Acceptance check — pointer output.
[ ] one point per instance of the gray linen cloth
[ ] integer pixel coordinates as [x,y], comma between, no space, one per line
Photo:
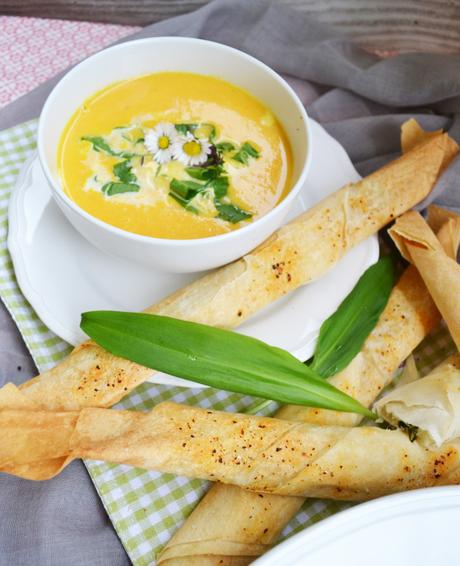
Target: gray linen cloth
[360,99]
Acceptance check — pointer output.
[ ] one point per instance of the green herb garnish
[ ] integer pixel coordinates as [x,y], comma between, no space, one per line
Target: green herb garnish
[123,171]
[211,176]
[127,183]
[113,188]
[344,332]
[215,180]
[231,213]
[185,128]
[215,357]
[99,144]
[220,186]
[184,191]
[205,173]
[210,131]
[224,146]
[184,202]
[245,152]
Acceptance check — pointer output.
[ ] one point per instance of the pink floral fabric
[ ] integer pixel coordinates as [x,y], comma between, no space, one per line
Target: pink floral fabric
[35,49]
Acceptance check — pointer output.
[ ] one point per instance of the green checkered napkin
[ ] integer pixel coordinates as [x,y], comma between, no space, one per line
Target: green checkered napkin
[144,507]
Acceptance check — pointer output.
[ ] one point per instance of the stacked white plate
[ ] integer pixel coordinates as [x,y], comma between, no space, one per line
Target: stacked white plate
[416,528]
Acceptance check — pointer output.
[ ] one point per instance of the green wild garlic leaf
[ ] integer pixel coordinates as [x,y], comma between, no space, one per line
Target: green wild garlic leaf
[344,332]
[215,357]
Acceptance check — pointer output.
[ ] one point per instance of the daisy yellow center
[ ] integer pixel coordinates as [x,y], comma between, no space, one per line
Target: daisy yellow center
[192,148]
[163,142]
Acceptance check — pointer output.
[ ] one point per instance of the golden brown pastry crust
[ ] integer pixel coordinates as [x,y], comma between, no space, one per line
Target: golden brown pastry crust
[261,454]
[441,274]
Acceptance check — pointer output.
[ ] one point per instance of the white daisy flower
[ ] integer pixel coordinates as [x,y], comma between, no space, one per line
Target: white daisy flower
[160,141]
[191,151]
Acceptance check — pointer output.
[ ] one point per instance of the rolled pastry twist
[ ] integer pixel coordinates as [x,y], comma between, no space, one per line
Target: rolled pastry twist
[261,454]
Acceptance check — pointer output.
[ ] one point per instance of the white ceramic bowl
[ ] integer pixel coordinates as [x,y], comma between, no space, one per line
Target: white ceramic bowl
[153,55]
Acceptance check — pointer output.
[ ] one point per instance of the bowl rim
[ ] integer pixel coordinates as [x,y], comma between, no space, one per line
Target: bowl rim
[60,193]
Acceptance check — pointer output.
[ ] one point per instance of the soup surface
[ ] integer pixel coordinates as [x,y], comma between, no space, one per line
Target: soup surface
[175,155]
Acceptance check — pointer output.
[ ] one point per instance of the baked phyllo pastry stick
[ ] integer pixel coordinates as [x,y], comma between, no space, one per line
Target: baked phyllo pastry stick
[441,273]
[263,454]
[230,523]
[296,254]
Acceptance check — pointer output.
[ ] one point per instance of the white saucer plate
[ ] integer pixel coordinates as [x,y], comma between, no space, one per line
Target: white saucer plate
[413,528]
[62,275]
